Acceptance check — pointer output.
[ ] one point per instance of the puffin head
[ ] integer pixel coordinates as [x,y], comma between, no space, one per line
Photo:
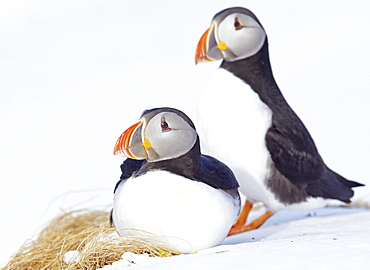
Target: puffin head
[161,134]
[234,34]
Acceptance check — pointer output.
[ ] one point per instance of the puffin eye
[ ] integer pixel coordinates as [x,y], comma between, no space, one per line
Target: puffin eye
[164,125]
[237,24]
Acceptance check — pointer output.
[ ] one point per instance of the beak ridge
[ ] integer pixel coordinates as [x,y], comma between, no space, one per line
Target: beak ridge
[208,48]
[201,51]
[130,144]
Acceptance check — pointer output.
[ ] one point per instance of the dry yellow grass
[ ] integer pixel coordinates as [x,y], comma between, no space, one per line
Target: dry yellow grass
[86,232]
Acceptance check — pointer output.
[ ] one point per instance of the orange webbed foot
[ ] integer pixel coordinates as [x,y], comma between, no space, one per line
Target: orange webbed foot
[253,225]
[239,226]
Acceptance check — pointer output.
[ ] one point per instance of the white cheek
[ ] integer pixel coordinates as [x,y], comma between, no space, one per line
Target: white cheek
[245,44]
[169,144]
[241,43]
[172,144]
[163,144]
[226,31]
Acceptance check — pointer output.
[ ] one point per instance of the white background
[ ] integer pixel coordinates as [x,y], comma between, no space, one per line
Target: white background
[75,74]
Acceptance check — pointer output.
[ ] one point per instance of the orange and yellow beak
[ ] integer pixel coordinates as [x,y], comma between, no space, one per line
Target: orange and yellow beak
[201,51]
[209,47]
[130,143]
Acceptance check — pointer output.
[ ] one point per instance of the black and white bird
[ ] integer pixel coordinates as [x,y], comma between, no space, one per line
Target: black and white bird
[247,123]
[176,197]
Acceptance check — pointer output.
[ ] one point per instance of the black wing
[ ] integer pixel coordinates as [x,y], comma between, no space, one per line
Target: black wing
[216,174]
[128,167]
[297,161]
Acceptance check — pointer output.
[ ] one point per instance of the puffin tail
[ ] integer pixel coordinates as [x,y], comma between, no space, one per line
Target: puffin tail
[333,186]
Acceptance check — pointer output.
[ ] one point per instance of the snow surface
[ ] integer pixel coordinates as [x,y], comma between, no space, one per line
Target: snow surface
[325,238]
[75,74]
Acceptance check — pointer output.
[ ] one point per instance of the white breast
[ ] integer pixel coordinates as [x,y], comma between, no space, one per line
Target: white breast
[171,210]
[233,125]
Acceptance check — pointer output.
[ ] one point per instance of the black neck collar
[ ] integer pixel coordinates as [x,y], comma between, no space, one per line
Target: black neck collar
[186,165]
[257,73]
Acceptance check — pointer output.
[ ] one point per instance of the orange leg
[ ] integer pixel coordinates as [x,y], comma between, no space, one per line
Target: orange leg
[243,214]
[239,226]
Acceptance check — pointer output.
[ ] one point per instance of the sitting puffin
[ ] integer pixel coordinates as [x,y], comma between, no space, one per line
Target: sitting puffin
[247,123]
[176,197]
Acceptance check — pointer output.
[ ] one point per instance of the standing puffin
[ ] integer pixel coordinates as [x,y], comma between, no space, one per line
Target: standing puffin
[176,197]
[249,125]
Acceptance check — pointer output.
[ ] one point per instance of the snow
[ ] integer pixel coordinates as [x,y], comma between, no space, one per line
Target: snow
[75,74]
[71,256]
[325,238]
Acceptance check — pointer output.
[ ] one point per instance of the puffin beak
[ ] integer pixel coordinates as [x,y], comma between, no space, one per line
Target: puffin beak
[208,48]
[130,143]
